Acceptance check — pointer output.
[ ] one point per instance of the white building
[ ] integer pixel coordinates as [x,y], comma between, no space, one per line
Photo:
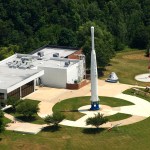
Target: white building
[20,73]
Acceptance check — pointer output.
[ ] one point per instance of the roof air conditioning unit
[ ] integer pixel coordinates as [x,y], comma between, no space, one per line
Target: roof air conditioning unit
[40,54]
[67,63]
[56,55]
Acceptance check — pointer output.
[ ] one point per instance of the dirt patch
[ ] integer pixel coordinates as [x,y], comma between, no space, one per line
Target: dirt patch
[66,137]
[135,57]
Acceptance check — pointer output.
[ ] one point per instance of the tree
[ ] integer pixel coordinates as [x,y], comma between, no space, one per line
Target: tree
[97,120]
[103,43]
[21,21]
[27,108]
[13,101]
[8,51]
[140,39]
[1,121]
[67,37]
[54,119]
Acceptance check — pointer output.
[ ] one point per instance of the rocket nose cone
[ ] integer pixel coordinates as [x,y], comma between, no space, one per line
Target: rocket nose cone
[92,29]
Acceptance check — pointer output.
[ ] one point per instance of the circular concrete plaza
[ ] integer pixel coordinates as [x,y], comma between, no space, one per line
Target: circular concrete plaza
[50,96]
[143,77]
[136,111]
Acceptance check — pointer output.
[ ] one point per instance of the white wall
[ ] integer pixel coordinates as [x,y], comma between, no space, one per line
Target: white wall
[72,73]
[54,77]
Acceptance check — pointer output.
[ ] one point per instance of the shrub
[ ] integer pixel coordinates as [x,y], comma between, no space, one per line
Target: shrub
[13,101]
[1,121]
[97,120]
[54,119]
[27,109]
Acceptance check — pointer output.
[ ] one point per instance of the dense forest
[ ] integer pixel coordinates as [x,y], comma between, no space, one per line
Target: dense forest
[29,24]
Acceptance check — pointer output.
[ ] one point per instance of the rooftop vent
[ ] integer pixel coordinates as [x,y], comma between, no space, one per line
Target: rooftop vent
[40,54]
[67,63]
[56,55]
[23,59]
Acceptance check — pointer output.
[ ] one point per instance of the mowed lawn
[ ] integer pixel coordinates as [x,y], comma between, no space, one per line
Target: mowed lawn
[127,65]
[69,107]
[131,137]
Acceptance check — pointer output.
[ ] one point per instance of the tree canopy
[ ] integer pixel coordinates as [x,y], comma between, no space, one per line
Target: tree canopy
[27,25]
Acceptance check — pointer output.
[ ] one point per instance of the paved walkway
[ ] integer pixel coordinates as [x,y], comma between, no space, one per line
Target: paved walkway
[139,112]
[23,127]
[50,96]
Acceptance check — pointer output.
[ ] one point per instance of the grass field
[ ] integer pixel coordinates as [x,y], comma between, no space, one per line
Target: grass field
[131,92]
[118,116]
[6,120]
[70,106]
[131,137]
[127,65]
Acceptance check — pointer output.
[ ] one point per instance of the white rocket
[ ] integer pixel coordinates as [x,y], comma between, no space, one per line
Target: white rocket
[94,80]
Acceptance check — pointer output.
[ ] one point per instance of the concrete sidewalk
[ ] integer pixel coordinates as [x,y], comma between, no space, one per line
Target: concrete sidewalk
[136,110]
[24,127]
[50,96]
[57,95]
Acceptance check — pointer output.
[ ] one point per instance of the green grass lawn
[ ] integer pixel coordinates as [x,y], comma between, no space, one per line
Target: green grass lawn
[131,92]
[131,137]
[34,119]
[70,106]
[118,116]
[127,65]
[6,120]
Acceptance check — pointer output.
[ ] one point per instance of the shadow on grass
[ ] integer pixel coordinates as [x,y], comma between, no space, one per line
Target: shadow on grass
[75,110]
[51,128]
[10,111]
[69,111]
[93,130]
[26,119]
[1,139]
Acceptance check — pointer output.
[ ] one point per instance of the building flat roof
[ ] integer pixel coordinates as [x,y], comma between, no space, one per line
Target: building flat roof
[53,63]
[48,52]
[45,61]
[12,76]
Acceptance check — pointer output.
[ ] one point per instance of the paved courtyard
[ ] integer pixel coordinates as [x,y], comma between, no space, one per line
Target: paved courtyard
[50,96]
[136,110]
[48,101]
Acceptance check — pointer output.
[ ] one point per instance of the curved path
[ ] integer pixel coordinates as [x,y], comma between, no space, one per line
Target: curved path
[24,127]
[139,111]
[105,89]
[50,96]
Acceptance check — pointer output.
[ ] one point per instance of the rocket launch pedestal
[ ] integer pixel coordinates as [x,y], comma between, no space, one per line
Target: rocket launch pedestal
[94,81]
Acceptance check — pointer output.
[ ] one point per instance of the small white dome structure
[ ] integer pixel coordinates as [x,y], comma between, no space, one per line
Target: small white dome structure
[112,78]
